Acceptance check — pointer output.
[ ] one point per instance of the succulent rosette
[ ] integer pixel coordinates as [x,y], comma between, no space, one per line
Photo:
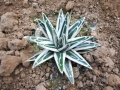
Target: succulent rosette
[62,44]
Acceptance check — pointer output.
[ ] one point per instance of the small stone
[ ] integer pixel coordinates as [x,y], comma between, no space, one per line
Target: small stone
[20,35]
[94,33]
[112,51]
[17,53]
[10,52]
[27,33]
[7,2]
[44,66]
[47,75]
[79,84]
[37,81]
[22,89]
[37,77]
[94,78]
[17,71]
[41,2]
[42,79]
[2,54]
[96,88]
[30,71]
[22,75]
[116,70]
[80,77]
[48,69]
[88,57]
[109,62]
[40,87]
[89,75]
[17,44]
[49,64]
[113,80]
[3,43]
[88,82]
[70,5]
[2,35]
[35,5]
[108,88]
[26,54]
[75,72]
[33,75]
[64,87]
[8,80]
[25,3]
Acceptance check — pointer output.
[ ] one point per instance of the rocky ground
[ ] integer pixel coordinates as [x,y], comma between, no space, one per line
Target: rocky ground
[16,21]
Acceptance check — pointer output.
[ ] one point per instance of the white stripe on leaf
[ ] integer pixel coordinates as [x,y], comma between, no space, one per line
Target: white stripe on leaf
[76,57]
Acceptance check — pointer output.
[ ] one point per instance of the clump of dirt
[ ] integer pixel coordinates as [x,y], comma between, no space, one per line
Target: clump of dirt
[16,21]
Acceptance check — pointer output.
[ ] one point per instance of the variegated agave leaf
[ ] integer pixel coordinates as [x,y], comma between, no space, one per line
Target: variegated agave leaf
[62,44]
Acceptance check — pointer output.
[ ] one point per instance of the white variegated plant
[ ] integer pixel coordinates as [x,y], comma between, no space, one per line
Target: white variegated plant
[62,44]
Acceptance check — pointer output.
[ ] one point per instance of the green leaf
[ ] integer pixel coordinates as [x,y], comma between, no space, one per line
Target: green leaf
[34,57]
[64,48]
[59,43]
[75,28]
[41,24]
[60,21]
[64,41]
[64,28]
[50,29]
[78,40]
[60,58]
[68,70]
[76,57]
[44,56]
[85,51]
[86,45]
[48,45]
[36,39]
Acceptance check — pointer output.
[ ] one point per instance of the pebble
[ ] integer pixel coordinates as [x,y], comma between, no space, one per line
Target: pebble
[34,75]
[17,53]
[116,70]
[22,75]
[40,87]
[2,35]
[37,81]
[47,75]
[20,35]
[17,71]
[75,72]
[48,69]
[113,80]
[41,2]
[42,73]
[94,78]
[35,5]
[108,88]
[10,52]
[49,64]
[70,5]
[89,75]
[25,3]
[44,66]
[8,80]
[22,89]
[79,84]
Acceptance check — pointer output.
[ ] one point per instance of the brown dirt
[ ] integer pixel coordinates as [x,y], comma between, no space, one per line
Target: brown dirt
[17,21]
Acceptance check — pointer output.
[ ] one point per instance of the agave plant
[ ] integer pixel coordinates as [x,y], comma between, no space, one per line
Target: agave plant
[62,44]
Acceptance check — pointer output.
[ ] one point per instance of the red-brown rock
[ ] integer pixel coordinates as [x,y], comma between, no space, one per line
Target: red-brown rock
[17,44]
[8,64]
